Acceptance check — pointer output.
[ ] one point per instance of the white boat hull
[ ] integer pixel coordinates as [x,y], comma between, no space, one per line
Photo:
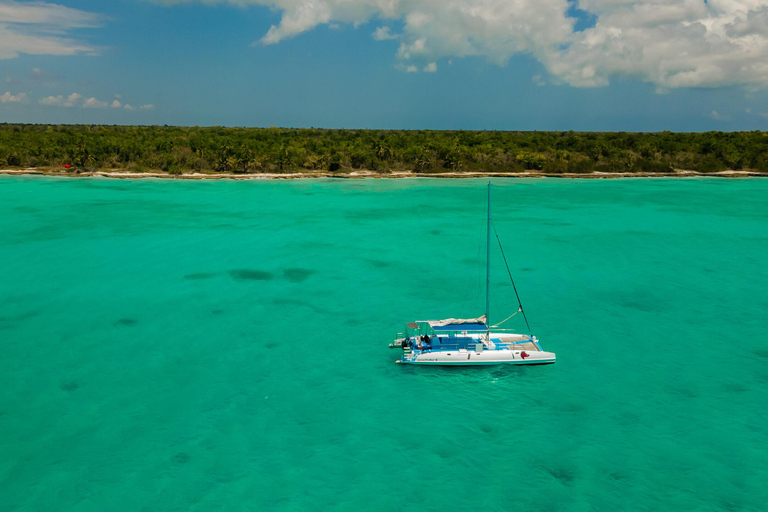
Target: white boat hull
[484,358]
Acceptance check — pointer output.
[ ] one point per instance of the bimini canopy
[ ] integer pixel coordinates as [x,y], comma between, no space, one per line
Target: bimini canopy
[459,324]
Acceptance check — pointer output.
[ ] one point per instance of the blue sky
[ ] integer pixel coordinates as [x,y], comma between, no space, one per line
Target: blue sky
[642,65]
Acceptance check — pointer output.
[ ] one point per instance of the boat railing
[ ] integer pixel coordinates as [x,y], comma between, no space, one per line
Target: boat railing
[441,346]
[495,329]
[451,346]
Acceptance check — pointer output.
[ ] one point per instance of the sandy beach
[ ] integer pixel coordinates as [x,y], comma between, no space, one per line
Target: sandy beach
[118,174]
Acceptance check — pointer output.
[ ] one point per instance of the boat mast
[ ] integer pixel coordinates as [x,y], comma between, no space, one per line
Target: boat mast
[488,264]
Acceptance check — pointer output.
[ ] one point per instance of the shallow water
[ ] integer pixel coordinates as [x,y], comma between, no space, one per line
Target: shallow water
[175,345]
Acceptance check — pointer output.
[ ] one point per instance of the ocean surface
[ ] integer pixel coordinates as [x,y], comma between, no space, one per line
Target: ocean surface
[202,345]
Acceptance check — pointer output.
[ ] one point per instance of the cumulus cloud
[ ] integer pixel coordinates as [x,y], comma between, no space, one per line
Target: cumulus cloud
[718,117]
[41,28]
[11,98]
[52,100]
[431,67]
[77,100]
[383,34]
[94,103]
[683,44]
[72,100]
[686,43]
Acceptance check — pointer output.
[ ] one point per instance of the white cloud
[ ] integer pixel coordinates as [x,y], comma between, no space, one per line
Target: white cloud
[118,96]
[686,43]
[383,34]
[94,103]
[415,49]
[431,67]
[59,101]
[718,117]
[76,100]
[52,100]
[411,69]
[10,98]
[43,13]
[72,100]
[41,28]
[538,80]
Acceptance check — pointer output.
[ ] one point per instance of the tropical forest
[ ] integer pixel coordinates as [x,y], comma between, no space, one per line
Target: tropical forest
[178,150]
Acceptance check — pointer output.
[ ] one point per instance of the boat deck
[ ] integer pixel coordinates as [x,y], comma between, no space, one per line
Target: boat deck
[444,343]
[521,345]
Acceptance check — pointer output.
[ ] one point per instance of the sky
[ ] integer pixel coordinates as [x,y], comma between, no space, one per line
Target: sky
[594,65]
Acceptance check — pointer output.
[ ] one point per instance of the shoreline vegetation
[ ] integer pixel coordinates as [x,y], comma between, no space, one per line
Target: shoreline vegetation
[282,153]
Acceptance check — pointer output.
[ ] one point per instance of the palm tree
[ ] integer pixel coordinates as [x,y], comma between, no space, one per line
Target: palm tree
[382,152]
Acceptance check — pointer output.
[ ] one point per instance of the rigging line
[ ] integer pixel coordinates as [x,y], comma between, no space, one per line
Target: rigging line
[510,316]
[520,304]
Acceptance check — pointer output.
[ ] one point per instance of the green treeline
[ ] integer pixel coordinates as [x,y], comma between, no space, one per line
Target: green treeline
[254,150]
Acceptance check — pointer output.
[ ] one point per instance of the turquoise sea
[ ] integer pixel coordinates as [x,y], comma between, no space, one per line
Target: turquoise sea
[205,345]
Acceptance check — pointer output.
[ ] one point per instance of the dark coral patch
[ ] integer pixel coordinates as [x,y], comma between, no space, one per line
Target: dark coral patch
[246,274]
[565,475]
[7,322]
[69,385]
[199,275]
[297,275]
[181,458]
[126,322]
[489,428]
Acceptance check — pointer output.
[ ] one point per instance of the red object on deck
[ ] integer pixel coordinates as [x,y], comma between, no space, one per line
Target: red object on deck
[67,166]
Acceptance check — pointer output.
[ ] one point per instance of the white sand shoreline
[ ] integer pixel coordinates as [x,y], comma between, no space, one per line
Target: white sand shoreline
[116,174]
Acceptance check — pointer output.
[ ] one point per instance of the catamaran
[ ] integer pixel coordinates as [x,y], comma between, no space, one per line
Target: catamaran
[471,341]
